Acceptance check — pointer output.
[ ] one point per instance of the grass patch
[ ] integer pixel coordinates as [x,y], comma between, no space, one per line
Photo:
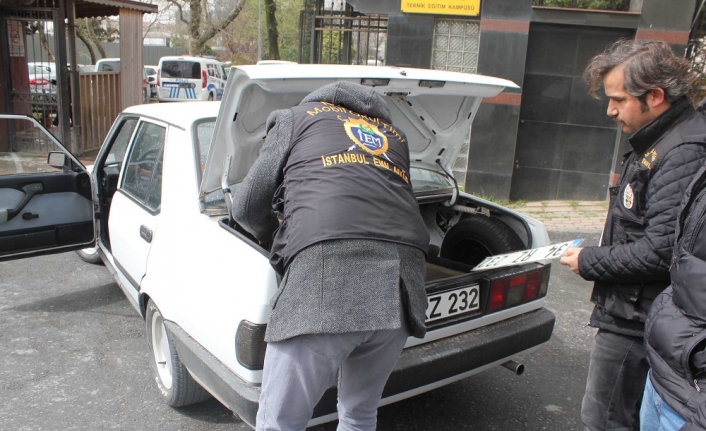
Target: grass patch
[507,204]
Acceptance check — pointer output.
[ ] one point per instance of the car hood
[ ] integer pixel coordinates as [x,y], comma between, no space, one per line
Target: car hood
[434,109]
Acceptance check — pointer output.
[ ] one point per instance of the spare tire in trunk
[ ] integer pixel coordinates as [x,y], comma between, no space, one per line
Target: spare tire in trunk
[476,237]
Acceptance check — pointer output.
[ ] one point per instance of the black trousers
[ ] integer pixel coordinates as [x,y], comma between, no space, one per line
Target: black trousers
[616,381]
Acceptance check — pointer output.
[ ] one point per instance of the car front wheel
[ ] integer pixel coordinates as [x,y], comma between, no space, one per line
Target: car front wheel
[90,255]
[175,384]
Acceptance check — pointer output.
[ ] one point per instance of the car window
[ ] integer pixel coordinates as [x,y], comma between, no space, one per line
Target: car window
[25,152]
[181,69]
[204,134]
[143,172]
[424,180]
[122,138]
[150,71]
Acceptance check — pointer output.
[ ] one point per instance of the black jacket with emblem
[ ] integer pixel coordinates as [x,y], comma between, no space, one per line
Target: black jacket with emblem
[352,241]
[346,177]
[675,331]
[631,266]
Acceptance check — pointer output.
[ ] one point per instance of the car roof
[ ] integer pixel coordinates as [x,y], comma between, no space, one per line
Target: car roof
[188,58]
[180,114]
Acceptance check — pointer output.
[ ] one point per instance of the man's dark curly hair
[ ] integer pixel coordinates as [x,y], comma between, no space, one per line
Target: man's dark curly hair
[648,64]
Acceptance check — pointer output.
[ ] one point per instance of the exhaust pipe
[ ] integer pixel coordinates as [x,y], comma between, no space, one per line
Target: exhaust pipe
[513,366]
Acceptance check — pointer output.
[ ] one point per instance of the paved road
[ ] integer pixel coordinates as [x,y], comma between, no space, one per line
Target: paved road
[73,357]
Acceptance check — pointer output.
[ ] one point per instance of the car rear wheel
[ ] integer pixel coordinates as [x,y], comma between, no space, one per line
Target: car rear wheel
[175,384]
[476,237]
[90,255]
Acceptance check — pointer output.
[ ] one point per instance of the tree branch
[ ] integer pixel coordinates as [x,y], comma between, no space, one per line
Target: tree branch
[212,31]
[81,34]
[181,11]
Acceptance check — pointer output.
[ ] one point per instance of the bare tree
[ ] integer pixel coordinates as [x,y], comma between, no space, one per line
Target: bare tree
[155,18]
[83,36]
[272,33]
[195,15]
[38,27]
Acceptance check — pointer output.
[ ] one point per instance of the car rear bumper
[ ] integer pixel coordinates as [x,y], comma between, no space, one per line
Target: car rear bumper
[417,367]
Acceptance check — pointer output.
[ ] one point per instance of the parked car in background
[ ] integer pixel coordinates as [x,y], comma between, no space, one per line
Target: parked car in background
[156,203]
[190,78]
[152,78]
[42,77]
[108,65]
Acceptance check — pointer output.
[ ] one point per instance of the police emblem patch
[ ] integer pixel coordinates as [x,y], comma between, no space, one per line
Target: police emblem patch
[628,197]
[366,136]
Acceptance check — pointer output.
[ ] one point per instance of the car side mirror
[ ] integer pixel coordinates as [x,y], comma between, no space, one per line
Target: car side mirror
[56,159]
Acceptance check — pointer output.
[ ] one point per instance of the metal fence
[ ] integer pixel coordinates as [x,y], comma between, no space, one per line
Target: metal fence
[331,35]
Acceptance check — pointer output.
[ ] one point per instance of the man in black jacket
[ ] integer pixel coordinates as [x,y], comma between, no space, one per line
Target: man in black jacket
[647,87]
[350,249]
[675,331]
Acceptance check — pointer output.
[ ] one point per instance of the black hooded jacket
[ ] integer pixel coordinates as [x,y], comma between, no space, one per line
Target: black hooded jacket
[675,331]
[631,267]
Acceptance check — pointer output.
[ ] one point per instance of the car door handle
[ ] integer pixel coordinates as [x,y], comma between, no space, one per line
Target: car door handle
[146,233]
[30,190]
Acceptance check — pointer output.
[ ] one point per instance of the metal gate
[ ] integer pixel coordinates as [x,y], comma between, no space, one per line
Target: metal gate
[34,87]
[331,32]
[696,52]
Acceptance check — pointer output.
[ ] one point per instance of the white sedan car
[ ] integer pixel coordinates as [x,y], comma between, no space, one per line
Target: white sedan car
[154,207]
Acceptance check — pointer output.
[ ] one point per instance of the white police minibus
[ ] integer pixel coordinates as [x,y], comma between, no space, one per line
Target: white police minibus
[189,78]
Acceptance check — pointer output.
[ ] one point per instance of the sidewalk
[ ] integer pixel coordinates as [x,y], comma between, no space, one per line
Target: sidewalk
[568,216]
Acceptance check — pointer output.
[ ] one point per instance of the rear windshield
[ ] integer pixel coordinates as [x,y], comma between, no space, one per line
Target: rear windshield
[181,69]
[109,66]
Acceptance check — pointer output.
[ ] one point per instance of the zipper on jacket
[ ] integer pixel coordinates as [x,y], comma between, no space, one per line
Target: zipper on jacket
[696,385]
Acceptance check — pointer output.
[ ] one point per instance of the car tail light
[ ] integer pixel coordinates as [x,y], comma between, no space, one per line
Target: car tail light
[250,345]
[204,79]
[534,282]
[38,81]
[498,293]
[159,75]
[518,288]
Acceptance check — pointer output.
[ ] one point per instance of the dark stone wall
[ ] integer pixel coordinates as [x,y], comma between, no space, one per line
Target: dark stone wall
[565,142]
[409,40]
[492,149]
[502,53]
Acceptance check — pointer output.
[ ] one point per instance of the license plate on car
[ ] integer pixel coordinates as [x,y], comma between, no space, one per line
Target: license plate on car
[453,303]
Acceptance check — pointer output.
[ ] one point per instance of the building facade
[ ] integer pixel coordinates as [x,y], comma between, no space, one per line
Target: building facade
[549,139]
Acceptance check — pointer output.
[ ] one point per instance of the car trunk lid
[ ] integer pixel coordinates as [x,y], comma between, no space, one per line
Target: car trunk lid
[433,108]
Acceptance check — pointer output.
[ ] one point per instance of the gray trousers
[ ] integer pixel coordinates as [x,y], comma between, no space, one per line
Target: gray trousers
[299,370]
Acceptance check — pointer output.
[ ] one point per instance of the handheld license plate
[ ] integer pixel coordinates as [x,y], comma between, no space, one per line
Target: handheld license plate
[527,256]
